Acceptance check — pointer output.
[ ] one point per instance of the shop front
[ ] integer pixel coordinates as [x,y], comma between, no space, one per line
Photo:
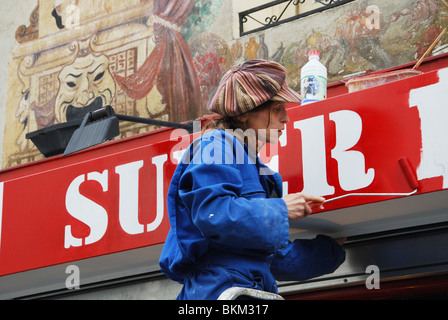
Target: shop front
[378,156]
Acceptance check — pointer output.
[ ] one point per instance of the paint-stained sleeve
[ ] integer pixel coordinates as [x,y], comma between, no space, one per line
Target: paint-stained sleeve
[306,259]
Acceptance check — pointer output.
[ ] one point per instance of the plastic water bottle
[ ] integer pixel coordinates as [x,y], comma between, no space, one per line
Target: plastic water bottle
[313,79]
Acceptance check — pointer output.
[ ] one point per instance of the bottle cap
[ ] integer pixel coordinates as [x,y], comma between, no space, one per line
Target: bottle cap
[313,53]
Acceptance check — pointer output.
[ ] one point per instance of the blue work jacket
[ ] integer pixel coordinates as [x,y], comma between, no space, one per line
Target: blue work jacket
[229,226]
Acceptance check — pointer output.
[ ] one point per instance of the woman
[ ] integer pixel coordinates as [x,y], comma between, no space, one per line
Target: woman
[229,223]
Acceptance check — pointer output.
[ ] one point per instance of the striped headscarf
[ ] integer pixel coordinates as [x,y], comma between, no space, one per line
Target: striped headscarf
[249,85]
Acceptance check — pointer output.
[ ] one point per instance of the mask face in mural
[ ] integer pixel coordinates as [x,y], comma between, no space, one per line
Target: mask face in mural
[85,85]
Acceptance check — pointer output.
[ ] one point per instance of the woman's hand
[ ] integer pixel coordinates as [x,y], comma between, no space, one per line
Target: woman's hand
[300,205]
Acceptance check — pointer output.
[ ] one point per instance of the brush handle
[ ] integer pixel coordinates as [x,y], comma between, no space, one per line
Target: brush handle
[429,49]
[372,195]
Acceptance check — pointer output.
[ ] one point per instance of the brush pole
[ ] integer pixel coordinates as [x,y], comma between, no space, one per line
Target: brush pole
[429,49]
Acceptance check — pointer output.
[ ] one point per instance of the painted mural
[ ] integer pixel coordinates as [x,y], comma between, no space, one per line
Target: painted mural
[162,58]
[402,33]
[77,56]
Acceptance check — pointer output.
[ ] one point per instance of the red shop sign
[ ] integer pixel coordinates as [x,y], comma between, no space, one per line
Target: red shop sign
[112,198]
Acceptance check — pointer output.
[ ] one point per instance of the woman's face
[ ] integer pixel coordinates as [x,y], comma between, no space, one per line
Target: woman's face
[268,121]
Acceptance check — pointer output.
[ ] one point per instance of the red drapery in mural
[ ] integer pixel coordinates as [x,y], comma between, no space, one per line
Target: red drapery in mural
[170,66]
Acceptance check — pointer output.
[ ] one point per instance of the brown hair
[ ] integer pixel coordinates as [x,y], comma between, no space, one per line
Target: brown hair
[232,122]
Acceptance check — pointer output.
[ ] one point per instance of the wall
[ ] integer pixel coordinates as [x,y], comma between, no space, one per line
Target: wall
[164,64]
[13,14]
